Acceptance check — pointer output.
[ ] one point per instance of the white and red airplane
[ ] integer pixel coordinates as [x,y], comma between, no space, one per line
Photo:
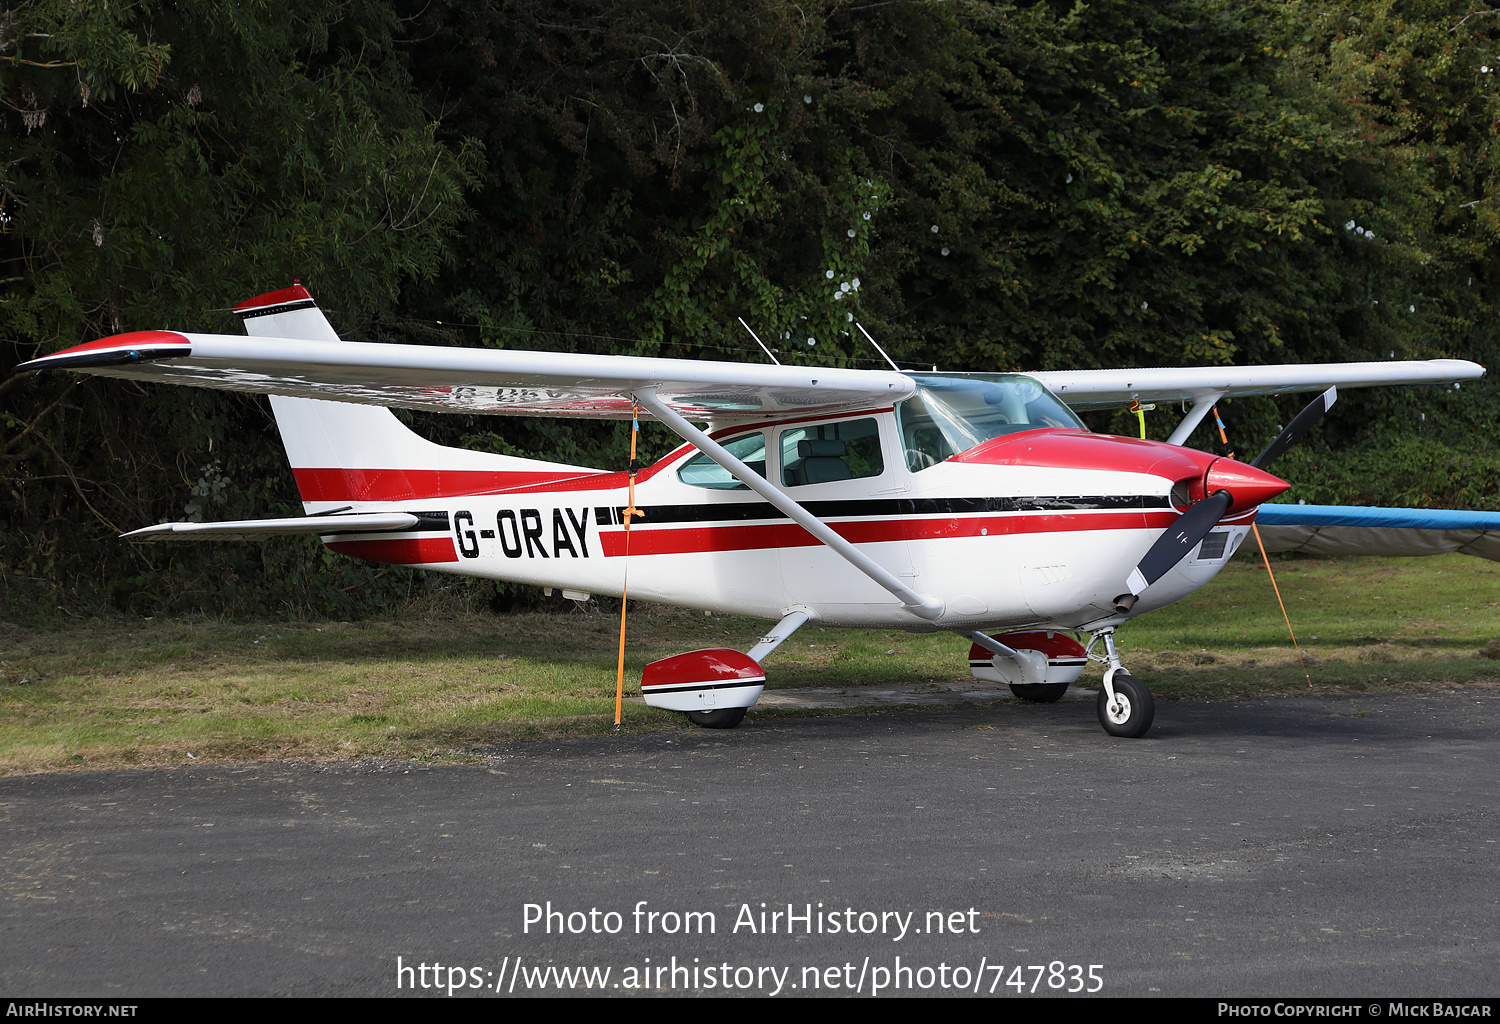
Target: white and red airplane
[969,502]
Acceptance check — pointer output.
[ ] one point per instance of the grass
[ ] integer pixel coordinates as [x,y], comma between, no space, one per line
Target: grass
[129,691]
[1362,624]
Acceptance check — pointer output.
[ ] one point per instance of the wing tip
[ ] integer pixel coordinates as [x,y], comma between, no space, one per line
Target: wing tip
[133,347]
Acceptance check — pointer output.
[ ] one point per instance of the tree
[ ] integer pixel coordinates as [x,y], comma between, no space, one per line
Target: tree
[160,161]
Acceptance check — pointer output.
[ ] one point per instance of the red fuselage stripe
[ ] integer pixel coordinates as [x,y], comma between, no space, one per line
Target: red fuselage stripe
[701,539]
[697,539]
[413,484]
[400,551]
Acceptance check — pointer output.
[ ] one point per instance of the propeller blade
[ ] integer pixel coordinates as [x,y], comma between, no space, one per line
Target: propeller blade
[1173,546]
[1300,425]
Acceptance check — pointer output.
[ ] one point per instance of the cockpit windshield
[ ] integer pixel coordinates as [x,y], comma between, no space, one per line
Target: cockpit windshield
[951,413]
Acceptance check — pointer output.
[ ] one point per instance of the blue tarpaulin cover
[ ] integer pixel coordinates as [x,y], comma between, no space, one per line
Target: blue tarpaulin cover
[1357,515]
[1359,530]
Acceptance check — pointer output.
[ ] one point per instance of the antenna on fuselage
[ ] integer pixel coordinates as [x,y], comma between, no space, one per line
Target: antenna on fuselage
[872,341]
[759,342]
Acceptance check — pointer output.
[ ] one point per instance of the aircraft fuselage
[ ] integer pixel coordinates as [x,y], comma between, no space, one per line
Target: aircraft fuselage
[1004,536]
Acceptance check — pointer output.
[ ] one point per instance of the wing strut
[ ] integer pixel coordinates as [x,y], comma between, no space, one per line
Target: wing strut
[1031,664]
[922,605]
[1201,405]
[772,640]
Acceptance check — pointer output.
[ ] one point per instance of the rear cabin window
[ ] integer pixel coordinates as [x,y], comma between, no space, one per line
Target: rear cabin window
[701,471]
[825,452]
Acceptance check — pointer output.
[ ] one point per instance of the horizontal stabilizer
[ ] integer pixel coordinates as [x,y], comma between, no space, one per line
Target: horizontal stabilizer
[255,529]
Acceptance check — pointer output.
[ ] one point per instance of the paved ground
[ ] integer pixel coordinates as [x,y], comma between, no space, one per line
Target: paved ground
[1287,847]
[900,694]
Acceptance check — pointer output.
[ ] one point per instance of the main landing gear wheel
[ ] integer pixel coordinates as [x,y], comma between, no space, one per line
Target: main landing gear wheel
[1042,693]
[1132,711]
[718,718]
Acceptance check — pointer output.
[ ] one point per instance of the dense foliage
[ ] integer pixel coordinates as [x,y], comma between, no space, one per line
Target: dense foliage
[983,185]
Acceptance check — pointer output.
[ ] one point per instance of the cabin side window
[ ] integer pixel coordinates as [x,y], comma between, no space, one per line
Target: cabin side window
[922,440]
[825,452]
[701,471]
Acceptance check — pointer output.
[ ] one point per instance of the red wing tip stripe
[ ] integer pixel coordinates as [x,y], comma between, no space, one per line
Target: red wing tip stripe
[134,339]
[296,293]
[137,346]
[732,684]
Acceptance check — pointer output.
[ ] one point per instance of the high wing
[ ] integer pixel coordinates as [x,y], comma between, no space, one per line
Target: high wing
[475,380]
[507,381]
[1085,388]
[1204,386]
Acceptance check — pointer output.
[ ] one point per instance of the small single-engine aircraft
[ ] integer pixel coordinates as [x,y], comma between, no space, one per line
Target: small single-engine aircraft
[971,502]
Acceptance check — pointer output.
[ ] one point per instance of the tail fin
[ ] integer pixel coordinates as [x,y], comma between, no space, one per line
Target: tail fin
[343,453]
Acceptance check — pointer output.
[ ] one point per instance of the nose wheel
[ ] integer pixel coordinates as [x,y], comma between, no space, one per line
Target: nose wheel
[1126,707]
[1129,710]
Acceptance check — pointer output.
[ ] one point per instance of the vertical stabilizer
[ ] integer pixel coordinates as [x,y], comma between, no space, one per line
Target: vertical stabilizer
[345,454]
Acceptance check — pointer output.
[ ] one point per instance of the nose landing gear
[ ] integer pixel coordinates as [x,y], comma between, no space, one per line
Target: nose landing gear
[1125,706]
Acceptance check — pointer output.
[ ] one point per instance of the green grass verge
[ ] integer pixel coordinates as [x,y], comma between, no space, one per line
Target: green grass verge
[1362,624]
[128,691]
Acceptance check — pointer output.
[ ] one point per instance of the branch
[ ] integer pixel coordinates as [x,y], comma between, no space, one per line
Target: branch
[40,64]
[416,205]
[39,417]
[82,497]
[1472,14]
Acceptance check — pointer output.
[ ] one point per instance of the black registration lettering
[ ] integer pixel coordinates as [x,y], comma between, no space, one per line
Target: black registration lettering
[560,536]
[581,526]
[468,544]
[510,539]
[531,529]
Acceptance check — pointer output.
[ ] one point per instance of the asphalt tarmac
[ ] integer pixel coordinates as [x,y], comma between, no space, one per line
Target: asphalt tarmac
[1292,847]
